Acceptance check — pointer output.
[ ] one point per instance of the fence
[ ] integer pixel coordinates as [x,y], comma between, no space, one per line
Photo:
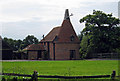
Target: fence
[106,55]
[34,76]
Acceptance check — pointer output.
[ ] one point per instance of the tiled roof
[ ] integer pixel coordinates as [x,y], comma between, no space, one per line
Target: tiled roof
[34,47]
[63,32]
[52,34]
[66,32]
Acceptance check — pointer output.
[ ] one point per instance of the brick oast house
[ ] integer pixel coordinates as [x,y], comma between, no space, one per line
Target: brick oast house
[61,42]
[35,52]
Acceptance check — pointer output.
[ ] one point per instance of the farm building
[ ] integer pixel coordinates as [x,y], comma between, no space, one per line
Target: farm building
[35,51]
[62,42]
[5,50]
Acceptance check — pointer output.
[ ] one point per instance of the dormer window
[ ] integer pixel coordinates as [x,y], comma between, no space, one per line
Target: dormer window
[72,38]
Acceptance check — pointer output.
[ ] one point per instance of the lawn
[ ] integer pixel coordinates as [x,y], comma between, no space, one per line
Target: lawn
[66,68]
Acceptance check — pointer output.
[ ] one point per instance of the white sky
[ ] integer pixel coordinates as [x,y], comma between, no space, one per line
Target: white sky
[19,18]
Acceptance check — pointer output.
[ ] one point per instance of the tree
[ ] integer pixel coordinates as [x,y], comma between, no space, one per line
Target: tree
[80,36]
[30,39]
[14,44]
[18,45]
[102,31]
[84,46]
[10,42]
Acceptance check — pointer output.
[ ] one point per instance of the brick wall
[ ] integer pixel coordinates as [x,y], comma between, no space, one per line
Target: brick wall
[51,51]
[32,55]
[62,51]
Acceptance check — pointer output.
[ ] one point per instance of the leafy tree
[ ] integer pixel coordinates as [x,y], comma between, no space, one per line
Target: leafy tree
[80,36]
[102,32]
[14,44]
[84,44]
[30,39]
[10,42]
[18,45]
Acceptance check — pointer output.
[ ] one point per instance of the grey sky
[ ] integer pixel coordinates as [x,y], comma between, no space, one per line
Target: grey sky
[19,18]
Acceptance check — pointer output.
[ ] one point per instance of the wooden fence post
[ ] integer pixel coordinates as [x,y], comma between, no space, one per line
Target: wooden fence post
[34,76]
[113,75]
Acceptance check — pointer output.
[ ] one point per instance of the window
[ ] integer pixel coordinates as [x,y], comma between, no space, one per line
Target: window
[44,43]
[72,38]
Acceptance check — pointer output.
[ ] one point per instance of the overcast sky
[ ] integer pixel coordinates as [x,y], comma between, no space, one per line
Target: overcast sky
[19,18]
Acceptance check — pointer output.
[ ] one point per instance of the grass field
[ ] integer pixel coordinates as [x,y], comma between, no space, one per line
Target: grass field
[66,68]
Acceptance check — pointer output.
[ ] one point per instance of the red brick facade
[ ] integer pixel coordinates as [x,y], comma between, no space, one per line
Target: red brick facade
[63,50]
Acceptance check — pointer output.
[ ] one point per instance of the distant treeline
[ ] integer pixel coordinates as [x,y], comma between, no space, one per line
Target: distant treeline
[18,45]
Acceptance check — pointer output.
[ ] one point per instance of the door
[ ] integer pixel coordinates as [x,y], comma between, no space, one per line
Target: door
[39,55]
[72,54]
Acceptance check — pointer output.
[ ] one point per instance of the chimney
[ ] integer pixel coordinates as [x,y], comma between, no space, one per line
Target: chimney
[43,37]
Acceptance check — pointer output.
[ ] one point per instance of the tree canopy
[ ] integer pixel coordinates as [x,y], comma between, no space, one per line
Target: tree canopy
[30,39]
[17,45]
[101,33]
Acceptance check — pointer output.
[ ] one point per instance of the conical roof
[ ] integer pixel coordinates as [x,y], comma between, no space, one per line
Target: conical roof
[63,33]
[66,32]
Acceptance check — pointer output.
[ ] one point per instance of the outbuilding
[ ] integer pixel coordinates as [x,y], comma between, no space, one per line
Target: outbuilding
[35,52]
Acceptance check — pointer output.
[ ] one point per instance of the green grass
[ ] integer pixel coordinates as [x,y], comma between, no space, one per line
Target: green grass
[66,68]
